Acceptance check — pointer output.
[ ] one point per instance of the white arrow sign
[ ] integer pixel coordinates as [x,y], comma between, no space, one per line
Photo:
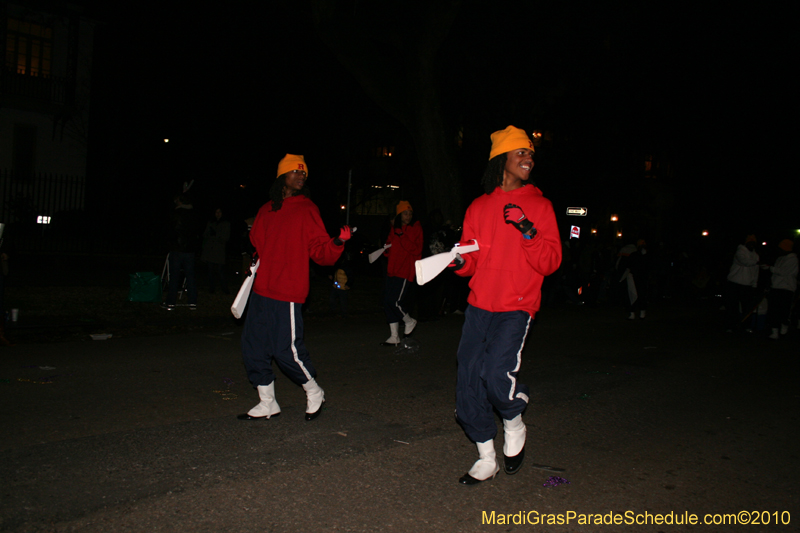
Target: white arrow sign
[577,211]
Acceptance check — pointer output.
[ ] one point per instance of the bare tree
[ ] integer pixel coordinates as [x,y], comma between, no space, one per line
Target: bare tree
[391,47]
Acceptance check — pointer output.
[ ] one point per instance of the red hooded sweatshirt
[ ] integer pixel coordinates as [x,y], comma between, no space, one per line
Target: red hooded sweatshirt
[405,251]
[508,270]
[285,240]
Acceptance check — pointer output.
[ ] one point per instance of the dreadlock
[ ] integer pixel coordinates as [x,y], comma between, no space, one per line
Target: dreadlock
[493,175]
[276,192]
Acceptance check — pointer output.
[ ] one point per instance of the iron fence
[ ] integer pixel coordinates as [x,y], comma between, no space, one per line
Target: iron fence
[42,211]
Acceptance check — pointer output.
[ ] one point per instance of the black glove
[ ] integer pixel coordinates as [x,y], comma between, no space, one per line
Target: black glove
[457,263]
[515,216]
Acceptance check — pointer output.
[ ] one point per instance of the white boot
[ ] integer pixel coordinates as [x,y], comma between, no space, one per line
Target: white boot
[642,314]
[485,467]
[394,339]
[410,324]
[315,397]
[514,444]
[784,329]
[774,334]
[267,407]
[632,316]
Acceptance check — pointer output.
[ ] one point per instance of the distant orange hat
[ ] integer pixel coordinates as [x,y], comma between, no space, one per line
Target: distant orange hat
[292,162]
[402,205]
[509,139]
[786,245]
[750,238]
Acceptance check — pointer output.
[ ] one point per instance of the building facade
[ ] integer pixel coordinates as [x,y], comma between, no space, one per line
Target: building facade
[44,107]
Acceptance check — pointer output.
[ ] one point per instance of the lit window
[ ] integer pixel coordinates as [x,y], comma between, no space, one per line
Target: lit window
[29,48]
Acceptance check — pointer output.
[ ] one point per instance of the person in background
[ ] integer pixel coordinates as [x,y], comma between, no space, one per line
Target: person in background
[215,243]
[740,291]
[638,278]
[406,240]
[341,279]
[183,240]
[782,288]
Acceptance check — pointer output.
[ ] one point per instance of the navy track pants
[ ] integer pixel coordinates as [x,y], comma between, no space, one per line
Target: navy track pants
[395,298]
[274,330]
[489,357]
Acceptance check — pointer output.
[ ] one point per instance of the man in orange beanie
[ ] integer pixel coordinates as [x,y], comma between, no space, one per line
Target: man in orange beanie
[287,232]
[516,230]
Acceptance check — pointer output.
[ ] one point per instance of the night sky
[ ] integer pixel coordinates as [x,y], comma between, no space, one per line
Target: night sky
[704,90]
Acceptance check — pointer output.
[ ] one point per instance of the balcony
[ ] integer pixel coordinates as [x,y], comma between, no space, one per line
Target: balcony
[33,92]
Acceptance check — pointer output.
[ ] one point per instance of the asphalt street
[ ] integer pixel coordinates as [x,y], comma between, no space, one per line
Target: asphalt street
[664,418]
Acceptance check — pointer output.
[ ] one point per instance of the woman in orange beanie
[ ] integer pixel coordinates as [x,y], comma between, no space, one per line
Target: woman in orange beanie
[287,232]
[406,241]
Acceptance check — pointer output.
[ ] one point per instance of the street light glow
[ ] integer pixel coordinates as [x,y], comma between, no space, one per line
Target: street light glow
[614,218]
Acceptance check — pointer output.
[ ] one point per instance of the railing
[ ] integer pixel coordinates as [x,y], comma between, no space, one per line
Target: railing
[23,199]
[48,89]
